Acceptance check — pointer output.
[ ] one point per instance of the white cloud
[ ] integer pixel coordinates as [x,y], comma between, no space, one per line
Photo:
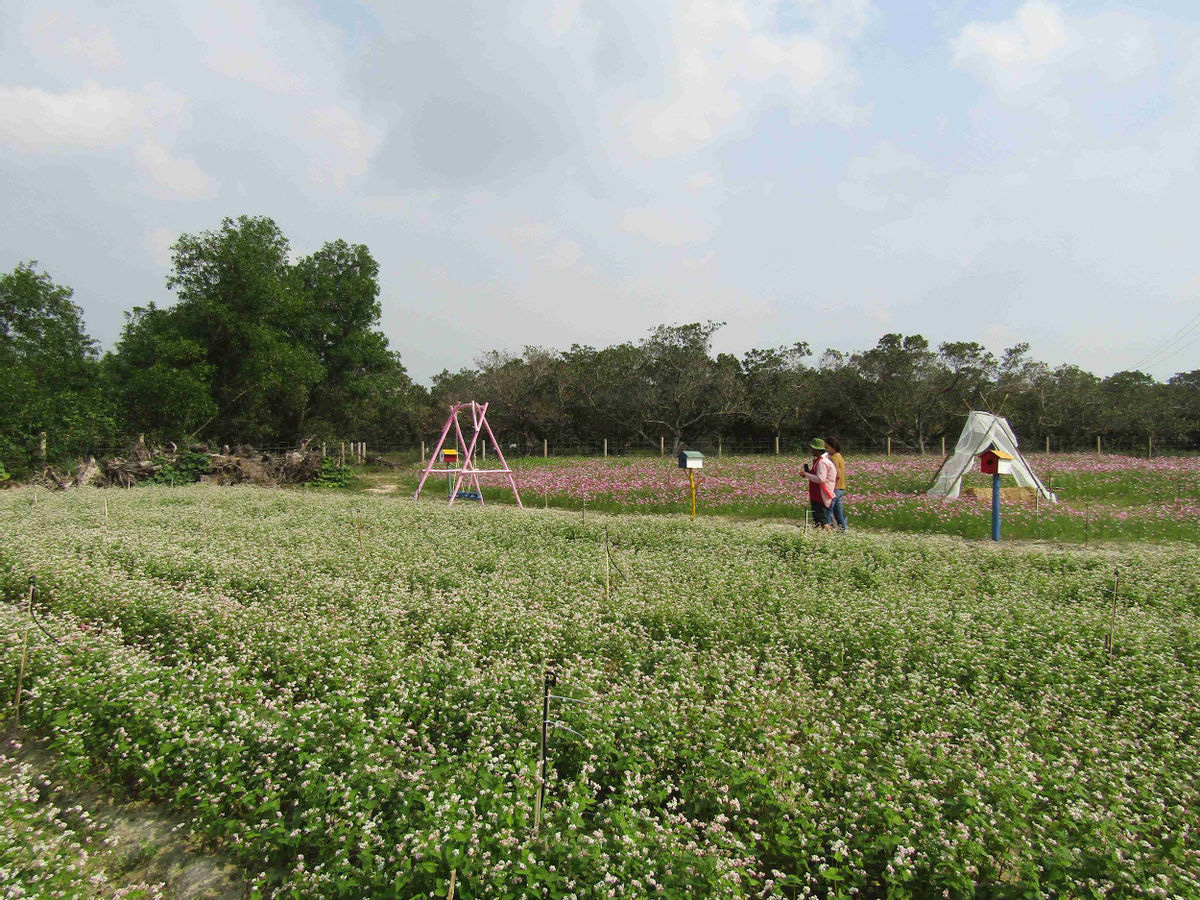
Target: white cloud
[661,225]
[549,249]
[100,119]
[180,177]
[89,43]
[248,42]
[726,60]
[1030,55]
[339,143]
[158,245]
[31,118]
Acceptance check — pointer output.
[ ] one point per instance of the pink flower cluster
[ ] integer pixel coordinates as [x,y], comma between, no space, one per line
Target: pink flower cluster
[877,485]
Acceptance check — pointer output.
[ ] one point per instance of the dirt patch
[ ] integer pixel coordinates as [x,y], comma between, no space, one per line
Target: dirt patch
[382,489]
[1006,493]
[133,843]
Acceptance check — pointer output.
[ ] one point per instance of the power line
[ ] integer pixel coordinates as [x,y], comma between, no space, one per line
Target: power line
[1178,351]
[1167,346]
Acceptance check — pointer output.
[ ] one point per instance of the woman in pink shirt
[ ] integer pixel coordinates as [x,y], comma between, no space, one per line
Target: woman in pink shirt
[822,476]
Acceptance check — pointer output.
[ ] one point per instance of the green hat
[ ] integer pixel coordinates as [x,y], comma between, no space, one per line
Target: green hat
[817,444]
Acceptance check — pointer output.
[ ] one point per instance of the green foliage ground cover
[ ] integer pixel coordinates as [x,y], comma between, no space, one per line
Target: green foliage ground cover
[356,712]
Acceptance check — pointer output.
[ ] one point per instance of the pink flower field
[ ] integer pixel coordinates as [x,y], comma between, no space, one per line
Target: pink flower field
[883,491]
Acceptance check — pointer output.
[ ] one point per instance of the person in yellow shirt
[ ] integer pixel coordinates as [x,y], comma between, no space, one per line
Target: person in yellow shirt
[837,509]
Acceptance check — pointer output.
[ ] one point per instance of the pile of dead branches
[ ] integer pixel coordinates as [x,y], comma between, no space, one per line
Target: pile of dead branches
[171,465]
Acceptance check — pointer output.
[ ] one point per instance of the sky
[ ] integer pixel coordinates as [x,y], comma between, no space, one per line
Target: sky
[558,172]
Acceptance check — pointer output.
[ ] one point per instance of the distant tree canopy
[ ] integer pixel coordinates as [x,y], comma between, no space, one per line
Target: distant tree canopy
[264,350]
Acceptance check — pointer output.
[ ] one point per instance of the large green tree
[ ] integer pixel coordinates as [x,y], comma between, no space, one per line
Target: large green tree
[263,350]
[49,373]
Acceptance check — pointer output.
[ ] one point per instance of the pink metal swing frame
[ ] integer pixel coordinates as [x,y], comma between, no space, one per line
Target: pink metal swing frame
[467,452]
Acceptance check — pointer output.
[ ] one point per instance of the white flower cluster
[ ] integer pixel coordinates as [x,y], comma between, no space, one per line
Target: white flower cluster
[357,711]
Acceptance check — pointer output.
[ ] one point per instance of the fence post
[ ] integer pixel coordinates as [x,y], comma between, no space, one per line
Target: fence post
[342,454]
[422,451]
[889,445]
[943,446]
[776,445]
[1097,445]
[42,447]
[322,449]
[718,447]
[545,449]
[606,448]
[662,446]
[1150,447]
[1047,443]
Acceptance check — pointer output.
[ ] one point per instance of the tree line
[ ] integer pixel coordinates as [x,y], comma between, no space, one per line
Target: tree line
[263,349]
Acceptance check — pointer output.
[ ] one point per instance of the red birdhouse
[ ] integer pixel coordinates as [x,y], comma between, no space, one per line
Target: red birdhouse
[995,462]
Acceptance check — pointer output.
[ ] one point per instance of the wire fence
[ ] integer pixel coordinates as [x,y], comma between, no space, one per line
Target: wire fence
[355,450]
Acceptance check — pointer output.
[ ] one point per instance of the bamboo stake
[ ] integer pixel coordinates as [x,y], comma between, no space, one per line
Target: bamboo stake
[1112,621]
[360,529]
[607,573]
[24,652]
[450,890]
[540,799]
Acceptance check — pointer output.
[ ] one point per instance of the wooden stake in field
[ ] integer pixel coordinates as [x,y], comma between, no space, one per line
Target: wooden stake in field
[450,889]
[607,573]
[540,798]
[1112,620]
[24,651]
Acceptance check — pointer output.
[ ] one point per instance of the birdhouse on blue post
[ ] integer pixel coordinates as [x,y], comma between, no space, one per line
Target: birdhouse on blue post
[995,462]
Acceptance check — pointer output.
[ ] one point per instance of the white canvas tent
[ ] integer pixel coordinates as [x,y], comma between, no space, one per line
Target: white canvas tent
[983,430]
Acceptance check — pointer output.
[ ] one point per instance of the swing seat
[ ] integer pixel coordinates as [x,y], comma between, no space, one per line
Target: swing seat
[468,495]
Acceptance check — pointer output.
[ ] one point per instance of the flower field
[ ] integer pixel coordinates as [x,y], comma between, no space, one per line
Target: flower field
[1101,497]
[345,694]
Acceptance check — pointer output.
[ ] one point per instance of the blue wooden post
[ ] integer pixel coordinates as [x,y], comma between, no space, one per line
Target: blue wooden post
[995,507]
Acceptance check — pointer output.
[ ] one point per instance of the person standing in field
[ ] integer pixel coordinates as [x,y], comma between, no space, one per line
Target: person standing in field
[837,509]
[822,476]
